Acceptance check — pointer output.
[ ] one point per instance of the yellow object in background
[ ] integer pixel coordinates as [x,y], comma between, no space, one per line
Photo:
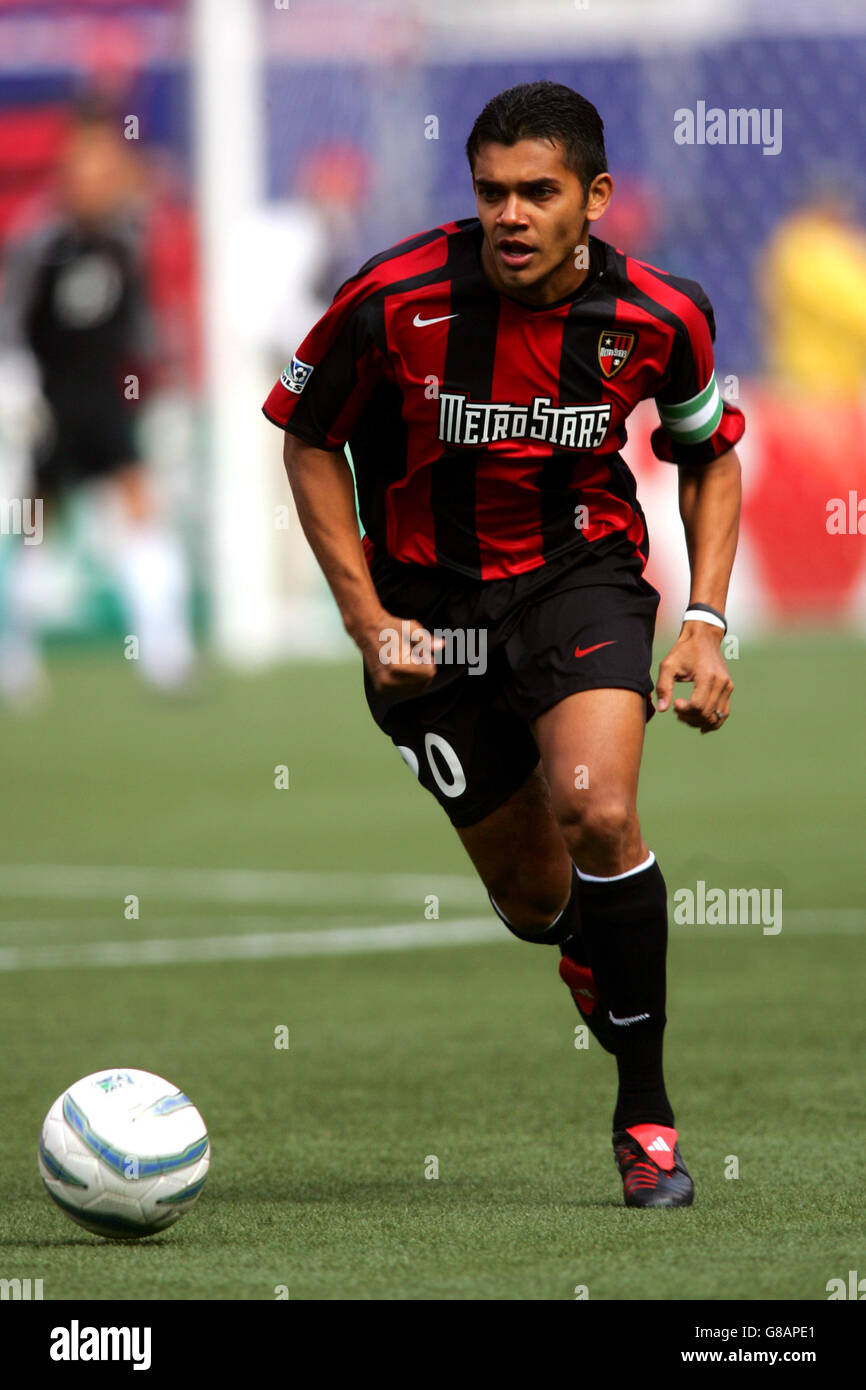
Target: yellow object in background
[812,285]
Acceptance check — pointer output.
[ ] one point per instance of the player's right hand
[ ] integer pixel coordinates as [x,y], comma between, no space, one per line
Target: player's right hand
[399,654]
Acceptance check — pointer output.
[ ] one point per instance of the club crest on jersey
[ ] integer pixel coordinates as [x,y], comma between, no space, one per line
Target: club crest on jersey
[296,375]
[614,350]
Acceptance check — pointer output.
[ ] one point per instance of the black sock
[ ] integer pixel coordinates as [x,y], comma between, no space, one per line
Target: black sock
[572,942]
[625,927]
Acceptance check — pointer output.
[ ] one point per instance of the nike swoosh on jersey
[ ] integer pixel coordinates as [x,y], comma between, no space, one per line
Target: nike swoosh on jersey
[584,651]
[423,323]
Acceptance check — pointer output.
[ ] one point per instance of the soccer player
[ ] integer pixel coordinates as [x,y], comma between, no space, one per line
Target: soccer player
[482,374]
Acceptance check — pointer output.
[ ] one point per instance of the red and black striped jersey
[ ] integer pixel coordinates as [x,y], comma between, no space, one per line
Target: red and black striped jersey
[485,432]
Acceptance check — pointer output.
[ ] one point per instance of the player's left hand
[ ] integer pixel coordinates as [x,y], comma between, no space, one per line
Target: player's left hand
[695,657]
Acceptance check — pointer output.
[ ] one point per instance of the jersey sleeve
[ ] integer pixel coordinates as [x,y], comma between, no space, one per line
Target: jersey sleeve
[323,390]
[696,424]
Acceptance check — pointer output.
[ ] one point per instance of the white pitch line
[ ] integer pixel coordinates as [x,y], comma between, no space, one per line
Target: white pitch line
[288,887]
[347,940]
[43,929]
[46,881]
[330,941]
[806,921]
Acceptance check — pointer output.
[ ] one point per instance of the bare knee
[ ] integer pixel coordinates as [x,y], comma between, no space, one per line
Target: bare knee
[602,834]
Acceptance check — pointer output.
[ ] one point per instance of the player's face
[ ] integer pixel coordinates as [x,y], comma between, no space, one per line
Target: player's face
[534,214]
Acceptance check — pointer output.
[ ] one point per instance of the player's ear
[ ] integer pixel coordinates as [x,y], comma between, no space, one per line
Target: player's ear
[599,196]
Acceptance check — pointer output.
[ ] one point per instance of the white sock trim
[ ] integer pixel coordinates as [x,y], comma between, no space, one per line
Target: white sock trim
[639,868]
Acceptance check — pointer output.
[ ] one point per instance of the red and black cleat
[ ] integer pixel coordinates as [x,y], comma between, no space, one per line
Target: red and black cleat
[651,1167]
[584,992]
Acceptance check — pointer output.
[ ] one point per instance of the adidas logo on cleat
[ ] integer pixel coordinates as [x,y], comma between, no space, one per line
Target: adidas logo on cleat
[659,1146]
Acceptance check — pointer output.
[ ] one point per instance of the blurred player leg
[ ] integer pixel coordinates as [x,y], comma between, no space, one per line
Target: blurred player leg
[22,677]
[153,577]
[24,421]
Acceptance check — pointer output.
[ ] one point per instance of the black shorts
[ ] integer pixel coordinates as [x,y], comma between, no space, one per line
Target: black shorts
[91,437]
[526,644]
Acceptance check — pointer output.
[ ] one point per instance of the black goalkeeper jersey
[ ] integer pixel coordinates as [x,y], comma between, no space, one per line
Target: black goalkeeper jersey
[484,432]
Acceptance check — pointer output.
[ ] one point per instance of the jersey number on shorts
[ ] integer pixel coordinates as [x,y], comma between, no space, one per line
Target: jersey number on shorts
[457,785]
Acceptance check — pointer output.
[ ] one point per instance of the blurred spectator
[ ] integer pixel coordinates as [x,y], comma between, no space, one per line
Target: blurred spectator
[77,342]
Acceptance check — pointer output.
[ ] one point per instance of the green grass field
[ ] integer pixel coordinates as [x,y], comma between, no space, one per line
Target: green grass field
[465,1052]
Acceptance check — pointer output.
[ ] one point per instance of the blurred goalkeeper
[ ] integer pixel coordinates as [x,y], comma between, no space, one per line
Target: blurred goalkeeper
[76,340]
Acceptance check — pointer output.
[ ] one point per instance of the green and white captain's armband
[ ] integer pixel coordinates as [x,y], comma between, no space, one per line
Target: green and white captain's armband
[691,422]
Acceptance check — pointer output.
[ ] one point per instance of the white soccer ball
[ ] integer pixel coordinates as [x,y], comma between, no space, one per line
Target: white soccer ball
[124,1153]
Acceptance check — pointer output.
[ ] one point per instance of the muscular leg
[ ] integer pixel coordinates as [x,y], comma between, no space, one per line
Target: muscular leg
[590,745]
[523,850]
[568,846]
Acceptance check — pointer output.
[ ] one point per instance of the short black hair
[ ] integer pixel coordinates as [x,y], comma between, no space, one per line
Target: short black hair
[544,111]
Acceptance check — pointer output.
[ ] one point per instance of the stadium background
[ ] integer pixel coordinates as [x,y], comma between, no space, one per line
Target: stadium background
[709,211]
[264,119]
